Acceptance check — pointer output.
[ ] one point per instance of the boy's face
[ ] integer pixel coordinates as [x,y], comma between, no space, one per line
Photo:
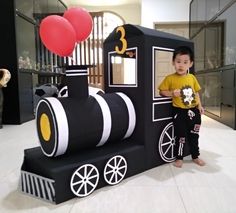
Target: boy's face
[182,63]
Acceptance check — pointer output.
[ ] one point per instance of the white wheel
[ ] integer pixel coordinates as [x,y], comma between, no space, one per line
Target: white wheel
[115,170]
[84,180]
[167,143]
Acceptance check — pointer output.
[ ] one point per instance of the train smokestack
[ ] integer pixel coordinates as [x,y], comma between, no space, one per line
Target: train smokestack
[77,81]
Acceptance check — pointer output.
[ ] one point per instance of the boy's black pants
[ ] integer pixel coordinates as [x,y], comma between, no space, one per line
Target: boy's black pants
[187,124]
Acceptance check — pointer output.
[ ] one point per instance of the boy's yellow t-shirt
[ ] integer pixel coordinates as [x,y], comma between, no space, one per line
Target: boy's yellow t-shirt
[188,86]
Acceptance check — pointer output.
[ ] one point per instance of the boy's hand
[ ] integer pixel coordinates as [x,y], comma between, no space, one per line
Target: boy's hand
[201,109]
[176,93]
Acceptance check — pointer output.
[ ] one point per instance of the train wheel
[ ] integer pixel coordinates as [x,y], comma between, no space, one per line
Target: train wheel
[115,170]
[84,180]
[167,143]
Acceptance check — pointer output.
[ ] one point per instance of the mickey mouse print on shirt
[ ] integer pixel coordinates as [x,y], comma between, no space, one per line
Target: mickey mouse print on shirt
[187,96]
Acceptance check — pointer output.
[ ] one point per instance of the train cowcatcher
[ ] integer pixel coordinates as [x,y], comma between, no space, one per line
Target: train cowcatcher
[90,141]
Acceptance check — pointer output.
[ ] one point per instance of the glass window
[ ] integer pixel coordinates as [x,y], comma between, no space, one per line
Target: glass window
[61,7]
[229,47]
[123,68]
[53,6]
[193,18]
[47,6]
[201,12]
[25,38]
[162,66]
[199,42]
[197,16]
[25,7]
[211,92]
[41,6]
[212,8]
[223,3]
[219,40]
[214,44]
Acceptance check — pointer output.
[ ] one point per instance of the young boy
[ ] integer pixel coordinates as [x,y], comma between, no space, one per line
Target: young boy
[187,109]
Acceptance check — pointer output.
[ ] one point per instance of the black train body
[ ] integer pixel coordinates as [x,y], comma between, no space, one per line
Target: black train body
[89,141]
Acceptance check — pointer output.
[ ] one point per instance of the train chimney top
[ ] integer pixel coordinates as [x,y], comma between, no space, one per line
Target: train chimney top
[77,81]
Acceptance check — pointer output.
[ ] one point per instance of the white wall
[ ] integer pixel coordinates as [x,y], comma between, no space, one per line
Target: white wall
[131,13]
[160,11]
[149,12]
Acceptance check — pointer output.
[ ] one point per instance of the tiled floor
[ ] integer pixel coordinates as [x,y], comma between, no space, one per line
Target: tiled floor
[165,189]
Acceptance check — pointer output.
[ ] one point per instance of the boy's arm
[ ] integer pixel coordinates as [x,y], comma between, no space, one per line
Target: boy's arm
[173,93]
[166,93]
[201,109]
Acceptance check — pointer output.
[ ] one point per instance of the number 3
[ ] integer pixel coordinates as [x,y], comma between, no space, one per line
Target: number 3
[123,41]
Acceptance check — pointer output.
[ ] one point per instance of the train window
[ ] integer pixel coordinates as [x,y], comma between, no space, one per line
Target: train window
[162,66]
[123,68]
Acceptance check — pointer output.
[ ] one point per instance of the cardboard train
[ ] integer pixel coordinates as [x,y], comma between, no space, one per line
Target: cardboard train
[88,141]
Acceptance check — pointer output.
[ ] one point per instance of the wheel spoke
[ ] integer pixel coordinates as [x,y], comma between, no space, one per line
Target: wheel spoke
[167,149]
[119,162]
[78,182]
[111,178]
[78,190]
[79,175]
[172,151]
[91,177]
[168,135]
[119,173]
[85,188]
[91,184]
[122,167]
[116,177]
[111,166]
[109,172]
[85,171]
[167,143]
[90,172]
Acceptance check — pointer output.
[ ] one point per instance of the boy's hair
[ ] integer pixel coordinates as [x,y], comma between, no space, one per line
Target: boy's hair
[183,50]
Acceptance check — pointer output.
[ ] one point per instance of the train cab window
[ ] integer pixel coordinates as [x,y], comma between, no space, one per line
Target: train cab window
[162,66]
[123,68]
